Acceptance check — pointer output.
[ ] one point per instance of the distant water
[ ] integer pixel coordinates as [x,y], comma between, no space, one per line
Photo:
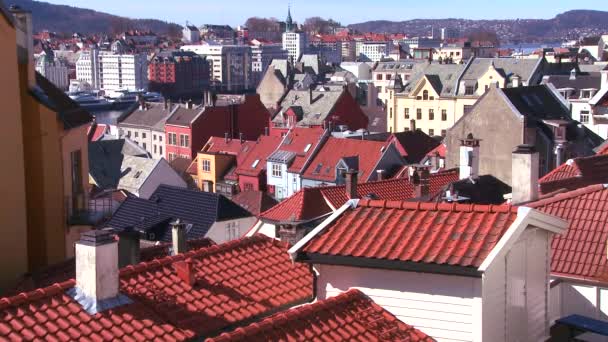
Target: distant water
[527,48]
[107,117]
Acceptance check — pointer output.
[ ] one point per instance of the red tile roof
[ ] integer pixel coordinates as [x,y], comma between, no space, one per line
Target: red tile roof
[260,152]
[398,189]
[350,316]
[232,146]
[334,149]
[576,173]
[581,252]
[444,234]
[441,149]
[297,140]
[235,282]
[304,205]
[254,202]
[98,131]
[66,270]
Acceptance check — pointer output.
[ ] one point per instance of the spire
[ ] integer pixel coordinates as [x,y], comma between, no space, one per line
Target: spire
[289,21]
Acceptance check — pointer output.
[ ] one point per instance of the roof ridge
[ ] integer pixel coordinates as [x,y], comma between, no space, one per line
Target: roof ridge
[568,194]
[197,253]
[36,294]
[433,206]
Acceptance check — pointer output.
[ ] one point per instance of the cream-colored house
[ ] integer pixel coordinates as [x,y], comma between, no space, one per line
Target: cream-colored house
[437,95]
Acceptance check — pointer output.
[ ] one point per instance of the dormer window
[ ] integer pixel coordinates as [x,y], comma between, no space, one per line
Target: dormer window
[425,95]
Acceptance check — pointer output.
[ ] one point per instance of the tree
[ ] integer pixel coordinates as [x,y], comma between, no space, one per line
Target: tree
[318,25]
[257,24]
[483,35]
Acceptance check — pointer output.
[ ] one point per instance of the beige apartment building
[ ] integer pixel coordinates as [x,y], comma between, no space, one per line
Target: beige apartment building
[438,95]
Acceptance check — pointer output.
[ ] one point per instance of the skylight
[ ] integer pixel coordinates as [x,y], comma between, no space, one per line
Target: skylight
[307,148]
[255,163]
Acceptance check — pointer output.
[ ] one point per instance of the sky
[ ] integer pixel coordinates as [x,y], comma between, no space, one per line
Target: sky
[235,12]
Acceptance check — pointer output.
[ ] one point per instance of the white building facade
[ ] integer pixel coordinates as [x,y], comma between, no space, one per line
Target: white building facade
[295,43]
[230,65]
[261,57]
[372,51]
[108,71]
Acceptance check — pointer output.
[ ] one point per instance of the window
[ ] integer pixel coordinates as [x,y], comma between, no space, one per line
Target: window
[388,77]
[144,145]
[419,113]
[172,138]
[128,134]
[232,231]
[276,170]
[585,116]
[143,135]
[431,132]
[76,163]
[425,95]
[206,165]
[406,113]
[160,138]
[443,133]
[444,115]
[171,156]
[466,109]
[154,147]
[137,134]
[390,113]
[379,77]
[184,140]
[255,163]
[160,150]
[431,114]
[469,90]
[153,136]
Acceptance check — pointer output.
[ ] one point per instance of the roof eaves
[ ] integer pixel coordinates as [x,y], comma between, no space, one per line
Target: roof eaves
[293,251]
[525,217]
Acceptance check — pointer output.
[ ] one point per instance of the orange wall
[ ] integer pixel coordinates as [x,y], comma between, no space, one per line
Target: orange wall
[13,244]
[219,165]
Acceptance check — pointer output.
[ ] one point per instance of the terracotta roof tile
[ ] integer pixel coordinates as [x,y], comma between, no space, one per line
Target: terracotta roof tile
[350,316]
[581,252]
[576,173]
[302,141]
[392,189]
[444,234]
[304,205]
[259,152]
[323,165]
[235,282]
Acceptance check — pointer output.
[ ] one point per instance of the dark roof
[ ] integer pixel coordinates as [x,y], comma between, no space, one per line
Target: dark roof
[183,116]
[70,113]
[106,159]
[192,207]
[153,117]
[537,102]
[588,81]
[485,189]
[255,202]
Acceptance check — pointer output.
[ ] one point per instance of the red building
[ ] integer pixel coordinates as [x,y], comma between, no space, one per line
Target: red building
[251,172]
[190,127]
[318,108]
[178,74]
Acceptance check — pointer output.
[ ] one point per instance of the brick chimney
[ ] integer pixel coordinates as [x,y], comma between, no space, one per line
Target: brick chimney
[128,248]
[97,266]
[524,174]
[351,179]
[421,181]
[469,157]
[178,237]
[185,271]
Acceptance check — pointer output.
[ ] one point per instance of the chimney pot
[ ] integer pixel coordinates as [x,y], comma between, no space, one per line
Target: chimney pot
[469,157]
[97,265]
[241,138]
[421,181]
[266,131]
[185,271]
[226,137]
[178,230]
[413,125]
[380,174]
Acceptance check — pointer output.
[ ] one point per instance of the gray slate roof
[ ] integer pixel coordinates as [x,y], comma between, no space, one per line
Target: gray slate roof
[313,113]
[508,67]
[443,77]
[152,118]
[580,82]
[116,164]
[183,115]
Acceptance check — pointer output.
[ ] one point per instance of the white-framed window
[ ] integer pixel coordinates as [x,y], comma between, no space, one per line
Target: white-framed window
[276,170]
[172,138]
[232,231]
[584,116]
[206,165]
[184,140]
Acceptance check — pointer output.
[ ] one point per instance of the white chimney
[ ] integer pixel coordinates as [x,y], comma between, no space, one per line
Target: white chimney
[178,237]
[469,157]
[524,174]
[515,81]
[604,81]
[97,265]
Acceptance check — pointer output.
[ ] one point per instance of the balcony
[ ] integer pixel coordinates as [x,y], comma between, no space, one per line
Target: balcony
[91,212]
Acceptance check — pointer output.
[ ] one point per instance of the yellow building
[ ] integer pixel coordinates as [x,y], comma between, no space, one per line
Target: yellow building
[438,95]
[48,166]
[13,245]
